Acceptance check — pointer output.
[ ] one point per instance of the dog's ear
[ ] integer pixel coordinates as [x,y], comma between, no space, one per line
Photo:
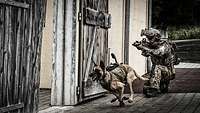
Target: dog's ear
[102,65]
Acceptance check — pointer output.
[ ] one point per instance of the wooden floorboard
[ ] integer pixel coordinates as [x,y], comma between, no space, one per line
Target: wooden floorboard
[147,107]
[186,81]
[183,97]
[190,108]
[183,103]
[138,104]
[44,99]
[156,106]
[167,103]
[172,104]
[197,109]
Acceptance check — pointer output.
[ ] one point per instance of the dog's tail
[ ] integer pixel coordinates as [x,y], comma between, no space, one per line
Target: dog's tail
[114,57]
[140,77]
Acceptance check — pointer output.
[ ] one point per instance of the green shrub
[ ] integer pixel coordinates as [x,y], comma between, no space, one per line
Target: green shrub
[183,32]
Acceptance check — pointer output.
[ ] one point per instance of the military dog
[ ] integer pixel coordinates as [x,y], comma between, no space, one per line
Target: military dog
[114,80]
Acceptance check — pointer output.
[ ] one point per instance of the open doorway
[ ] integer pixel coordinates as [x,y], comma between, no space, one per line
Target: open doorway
[46,59]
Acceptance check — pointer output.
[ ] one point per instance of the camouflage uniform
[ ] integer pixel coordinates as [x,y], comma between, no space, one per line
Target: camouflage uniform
[163,59]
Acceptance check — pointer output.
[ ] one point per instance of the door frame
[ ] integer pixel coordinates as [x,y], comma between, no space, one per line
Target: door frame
[126,30]
[65,53]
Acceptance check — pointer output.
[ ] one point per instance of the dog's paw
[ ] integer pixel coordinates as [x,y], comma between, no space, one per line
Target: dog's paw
[125,98]
[130,100]
[113,100]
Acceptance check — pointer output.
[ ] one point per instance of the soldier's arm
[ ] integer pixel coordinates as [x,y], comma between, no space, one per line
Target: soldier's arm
[153,52]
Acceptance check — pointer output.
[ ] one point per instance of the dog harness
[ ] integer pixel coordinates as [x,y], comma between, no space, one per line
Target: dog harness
[119,73]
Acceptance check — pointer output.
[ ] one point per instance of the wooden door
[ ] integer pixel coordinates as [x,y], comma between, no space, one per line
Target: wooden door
[95,22]
[21,23]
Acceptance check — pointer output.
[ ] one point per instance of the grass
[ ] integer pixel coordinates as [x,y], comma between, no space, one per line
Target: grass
[183,32]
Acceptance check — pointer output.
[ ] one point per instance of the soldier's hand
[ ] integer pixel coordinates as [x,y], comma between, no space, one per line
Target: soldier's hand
[136,43]
[144,40]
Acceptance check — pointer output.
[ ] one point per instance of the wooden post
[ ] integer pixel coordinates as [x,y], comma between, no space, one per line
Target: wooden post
[126,34]
[149,17]
[65,56]
[58,54]
[70,53]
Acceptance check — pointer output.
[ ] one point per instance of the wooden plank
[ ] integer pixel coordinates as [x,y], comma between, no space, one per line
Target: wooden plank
[97,18]
[139,104]
[14,3]
[43,107]
[80,52]
[21,61]
[2,35]
[163,105]
[5,95]
[11,108]
[169,106]
[23,90]
[43,100]
[28,68]
[37,52]
[44,92]
[44,97]
[11,53]
[58,48]
[70,53]
[183,103]
[91,48]
[192,106]
[105,102]
[126,34]
[17,57]
[197,109]
[155,102]
[152,106]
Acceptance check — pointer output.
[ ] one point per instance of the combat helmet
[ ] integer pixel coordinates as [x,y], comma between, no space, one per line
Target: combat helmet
[151,33]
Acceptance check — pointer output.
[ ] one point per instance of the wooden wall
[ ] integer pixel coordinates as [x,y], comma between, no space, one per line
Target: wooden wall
[21,23]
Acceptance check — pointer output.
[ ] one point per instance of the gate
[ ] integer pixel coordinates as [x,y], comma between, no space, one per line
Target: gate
[21,23]
[94,24]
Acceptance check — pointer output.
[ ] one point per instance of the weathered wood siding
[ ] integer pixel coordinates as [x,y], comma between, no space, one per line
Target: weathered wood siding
[21,23]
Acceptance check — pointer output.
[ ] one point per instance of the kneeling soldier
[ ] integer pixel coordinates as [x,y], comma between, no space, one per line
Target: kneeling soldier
[163,59]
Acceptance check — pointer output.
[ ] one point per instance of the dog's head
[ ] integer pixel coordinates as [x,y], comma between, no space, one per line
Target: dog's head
[98,71]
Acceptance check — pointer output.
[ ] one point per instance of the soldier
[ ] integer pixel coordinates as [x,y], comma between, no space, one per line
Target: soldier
[163,58]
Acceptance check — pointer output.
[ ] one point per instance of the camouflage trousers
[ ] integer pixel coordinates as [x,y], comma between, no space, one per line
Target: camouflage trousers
[159,73]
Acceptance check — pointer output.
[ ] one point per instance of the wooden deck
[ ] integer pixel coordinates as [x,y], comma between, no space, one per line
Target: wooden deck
[183,97]
[187,81]
[167,103]
[44,99]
